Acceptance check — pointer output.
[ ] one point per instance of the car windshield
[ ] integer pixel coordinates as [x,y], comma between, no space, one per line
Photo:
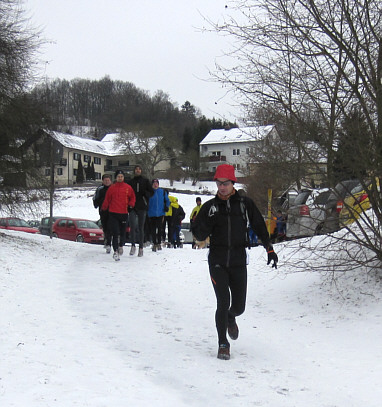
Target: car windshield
[322,198]
[45,221]
[87,224]
[360,188]
[17,222]
[342,189]
[302,197]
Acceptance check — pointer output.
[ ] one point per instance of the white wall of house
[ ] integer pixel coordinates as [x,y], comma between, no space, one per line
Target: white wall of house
[234,146]
[69,150]
[237,154]
[65,172]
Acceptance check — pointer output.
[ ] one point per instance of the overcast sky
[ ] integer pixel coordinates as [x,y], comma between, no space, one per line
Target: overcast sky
[155,44]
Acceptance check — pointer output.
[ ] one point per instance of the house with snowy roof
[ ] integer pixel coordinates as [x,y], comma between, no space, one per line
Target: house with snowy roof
[234,146]
[246,148]
[106,155]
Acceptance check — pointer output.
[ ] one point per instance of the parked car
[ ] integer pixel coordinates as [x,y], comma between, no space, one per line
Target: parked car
[307,213]
[334,205]
[181,237]
[78,230]
[187,234]
[16,224]
[45,227]
[357,202]
[286,200]
[33,223]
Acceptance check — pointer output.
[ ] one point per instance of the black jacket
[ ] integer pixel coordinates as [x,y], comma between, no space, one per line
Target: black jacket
[225,222]
[99,196]
[177,216]
[143,191]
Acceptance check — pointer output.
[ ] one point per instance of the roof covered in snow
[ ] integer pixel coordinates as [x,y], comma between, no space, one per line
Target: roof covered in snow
[110,142]
[132,144]
[107,146]
[237,135]
[79,143]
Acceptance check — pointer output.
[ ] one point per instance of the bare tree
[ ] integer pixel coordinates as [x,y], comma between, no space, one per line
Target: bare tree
[149,145]
[192,165]
[19,116]
[319,59]
[19,44]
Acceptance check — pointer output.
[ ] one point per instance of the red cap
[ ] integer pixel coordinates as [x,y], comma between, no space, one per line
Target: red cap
[225,171]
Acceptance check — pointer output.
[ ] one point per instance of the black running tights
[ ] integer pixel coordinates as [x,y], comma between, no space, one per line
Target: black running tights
[230,285]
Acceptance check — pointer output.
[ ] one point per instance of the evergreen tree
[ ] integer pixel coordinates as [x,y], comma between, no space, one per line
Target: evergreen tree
[80,173]
[354,152]
[92,172]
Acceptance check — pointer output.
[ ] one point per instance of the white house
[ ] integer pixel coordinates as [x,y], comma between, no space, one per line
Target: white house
[106,155]
[234,146]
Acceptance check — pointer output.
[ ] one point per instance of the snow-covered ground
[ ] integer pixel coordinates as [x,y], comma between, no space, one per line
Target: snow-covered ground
[79,329]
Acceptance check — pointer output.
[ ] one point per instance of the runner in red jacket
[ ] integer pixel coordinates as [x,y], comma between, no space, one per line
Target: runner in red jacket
[119,198]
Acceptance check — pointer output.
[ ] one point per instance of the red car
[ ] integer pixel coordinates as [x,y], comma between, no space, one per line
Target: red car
[77,230]
[16,224]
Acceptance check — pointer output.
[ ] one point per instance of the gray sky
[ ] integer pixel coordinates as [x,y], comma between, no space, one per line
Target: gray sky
[155,44]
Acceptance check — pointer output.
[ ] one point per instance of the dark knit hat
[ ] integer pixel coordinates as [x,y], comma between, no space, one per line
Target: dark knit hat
[119,172]
[155,180]
[225,171]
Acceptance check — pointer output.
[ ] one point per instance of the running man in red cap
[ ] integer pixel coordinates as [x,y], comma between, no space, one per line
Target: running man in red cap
[224,220]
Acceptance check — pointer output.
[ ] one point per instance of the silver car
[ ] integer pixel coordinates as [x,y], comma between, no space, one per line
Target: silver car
[307,213]
[187,234]
[334,204]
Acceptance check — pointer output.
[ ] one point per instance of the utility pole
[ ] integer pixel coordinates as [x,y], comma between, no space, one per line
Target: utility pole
[51,188]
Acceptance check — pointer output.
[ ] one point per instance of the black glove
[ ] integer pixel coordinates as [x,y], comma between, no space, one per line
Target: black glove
[272,256]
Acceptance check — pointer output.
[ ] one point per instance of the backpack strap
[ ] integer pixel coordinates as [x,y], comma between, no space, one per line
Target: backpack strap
[244,214]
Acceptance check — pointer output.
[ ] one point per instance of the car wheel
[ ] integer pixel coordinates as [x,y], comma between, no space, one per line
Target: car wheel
[80,239]
[54,234]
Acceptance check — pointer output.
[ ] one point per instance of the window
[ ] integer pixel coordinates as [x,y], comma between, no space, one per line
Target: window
[76,156]
[236,166]
[236,151]
[59,171]
[109,164]
[97,175]
[75,171]
[47,172]
[87,158]
[216,153]
[97,160]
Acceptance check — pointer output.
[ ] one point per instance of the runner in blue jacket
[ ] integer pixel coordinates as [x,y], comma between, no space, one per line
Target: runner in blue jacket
[158,206]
